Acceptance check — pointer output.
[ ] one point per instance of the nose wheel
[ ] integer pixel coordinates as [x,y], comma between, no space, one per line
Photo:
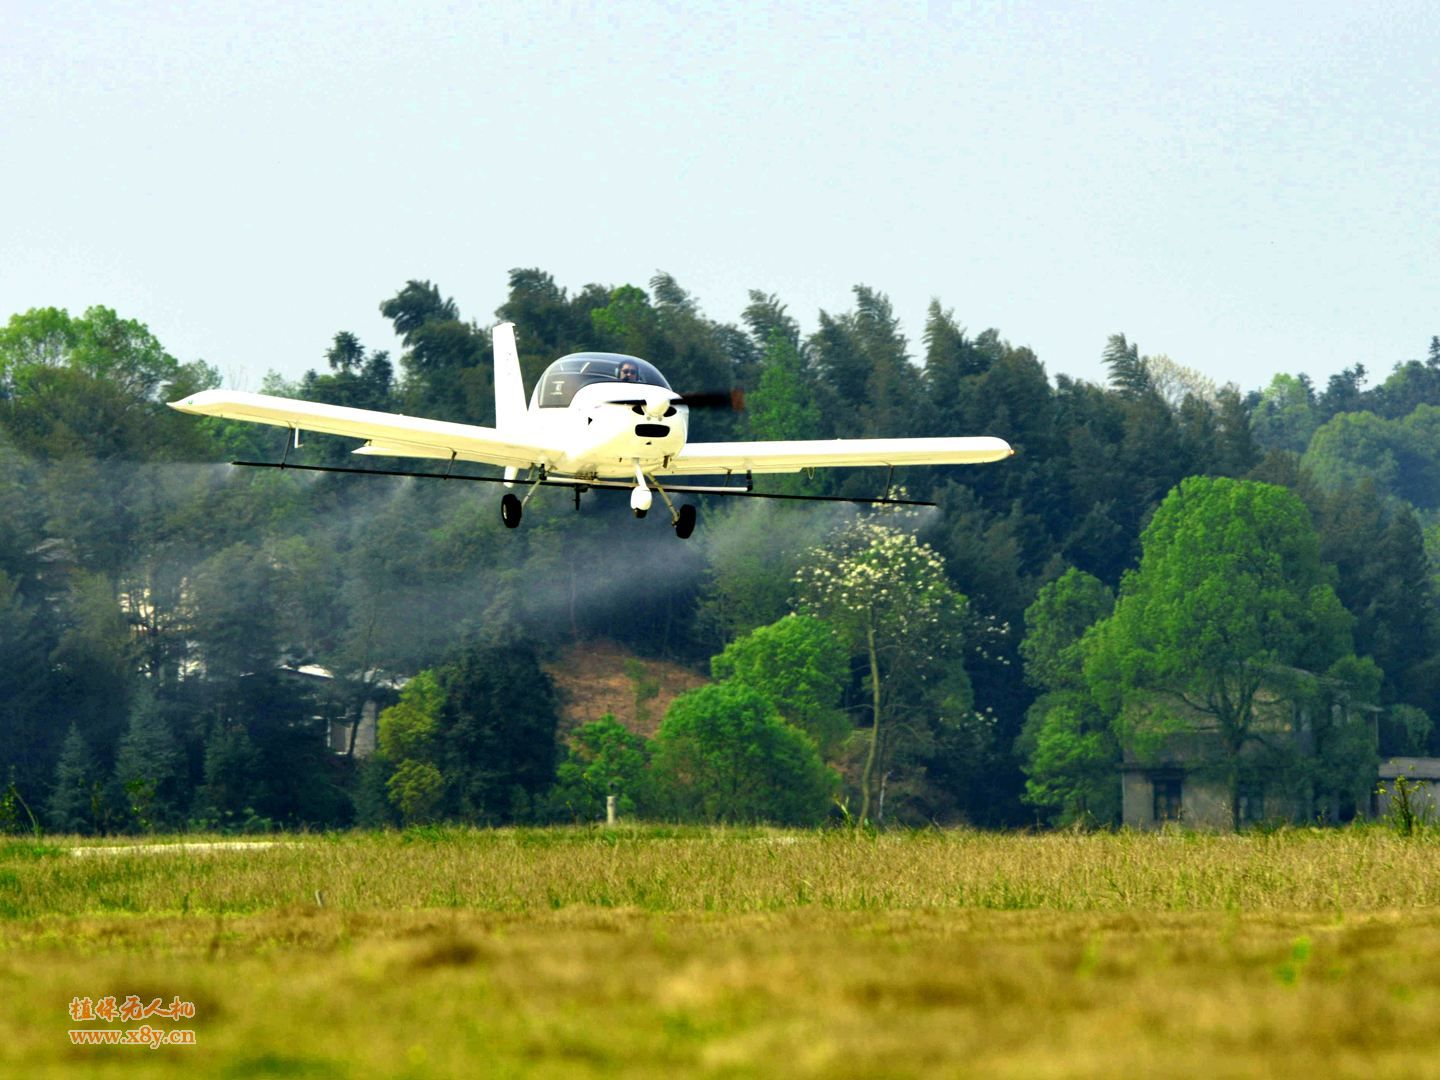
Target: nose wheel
[510,509]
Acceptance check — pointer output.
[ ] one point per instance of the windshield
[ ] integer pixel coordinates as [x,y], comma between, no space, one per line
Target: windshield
[557,387]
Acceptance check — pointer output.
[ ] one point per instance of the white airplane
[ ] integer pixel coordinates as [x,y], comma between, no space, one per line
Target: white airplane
[594,420]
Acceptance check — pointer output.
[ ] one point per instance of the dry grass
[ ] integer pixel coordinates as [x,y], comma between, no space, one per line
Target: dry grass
[738,870]
[739,953]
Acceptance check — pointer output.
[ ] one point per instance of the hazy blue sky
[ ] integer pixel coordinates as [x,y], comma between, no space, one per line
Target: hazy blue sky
[1247,188]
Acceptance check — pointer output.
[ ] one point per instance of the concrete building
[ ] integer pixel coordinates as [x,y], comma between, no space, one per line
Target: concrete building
[1184,777]
[1154,795]
[339,720]
[364,732]
[1424,773]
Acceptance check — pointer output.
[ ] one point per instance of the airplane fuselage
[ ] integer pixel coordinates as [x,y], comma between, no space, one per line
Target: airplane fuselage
[605,435]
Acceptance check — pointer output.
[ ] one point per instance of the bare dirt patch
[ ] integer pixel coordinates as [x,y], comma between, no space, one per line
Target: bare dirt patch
[599,677]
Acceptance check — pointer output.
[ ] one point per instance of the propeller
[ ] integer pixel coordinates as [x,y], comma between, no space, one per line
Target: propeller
[733,399]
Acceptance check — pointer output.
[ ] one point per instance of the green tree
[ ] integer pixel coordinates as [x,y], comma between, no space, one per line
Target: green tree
[863,361]
[1129,374]
[602,758]
[1405,732]
[1073,769]
[799,664]
[409,728]
[952,364]
[120,352]
[1285,417]
[1353,447]
[1384,580]
[357,378]
[628,323]
[233,773]
[1401,457]
[149,768]
[723,754]
[231,613]
[1236,450]
[408,740]
[548,322]
[1230,596]
[1340,708]
[71,808]
[1070,755]
[783,405]
[1410,385]
[768,320]
[27,728]
[417,789]
[371,793]
[695,353]
[497,731]
[40,338]
[92,386]
[446,361]
[1398,623]
[1343,393]
[754,548]
[94,661]
[1055,622]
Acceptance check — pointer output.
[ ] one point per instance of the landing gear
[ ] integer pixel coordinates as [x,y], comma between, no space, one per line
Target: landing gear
[640,497]
[511,505]
[685,521]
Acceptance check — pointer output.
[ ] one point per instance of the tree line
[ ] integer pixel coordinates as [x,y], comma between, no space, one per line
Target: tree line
[162,614]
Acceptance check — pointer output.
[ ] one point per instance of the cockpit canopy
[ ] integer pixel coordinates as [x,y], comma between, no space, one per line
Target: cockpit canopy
[557,387]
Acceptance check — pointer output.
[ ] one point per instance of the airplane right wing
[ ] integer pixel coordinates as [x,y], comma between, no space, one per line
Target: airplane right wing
[789,456]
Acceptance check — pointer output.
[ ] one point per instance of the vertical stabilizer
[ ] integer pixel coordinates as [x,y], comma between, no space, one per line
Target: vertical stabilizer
[509,387]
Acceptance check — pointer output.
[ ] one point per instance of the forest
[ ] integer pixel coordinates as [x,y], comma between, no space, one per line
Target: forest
[1162,556]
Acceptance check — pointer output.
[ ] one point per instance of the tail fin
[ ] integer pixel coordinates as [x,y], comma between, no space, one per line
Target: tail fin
[509,386]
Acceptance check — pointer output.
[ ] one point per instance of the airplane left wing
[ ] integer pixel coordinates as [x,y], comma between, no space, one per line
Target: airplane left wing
[797,455]
[388,434]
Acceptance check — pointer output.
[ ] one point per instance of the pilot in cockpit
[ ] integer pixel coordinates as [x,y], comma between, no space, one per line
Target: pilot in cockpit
[628,373]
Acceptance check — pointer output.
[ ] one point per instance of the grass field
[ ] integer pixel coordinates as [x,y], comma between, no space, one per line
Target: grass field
[733,952]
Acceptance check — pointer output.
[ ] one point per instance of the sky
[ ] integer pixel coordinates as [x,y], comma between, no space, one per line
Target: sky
[1248,188]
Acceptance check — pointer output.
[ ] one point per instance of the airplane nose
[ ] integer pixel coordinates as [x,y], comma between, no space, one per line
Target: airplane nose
[658,405]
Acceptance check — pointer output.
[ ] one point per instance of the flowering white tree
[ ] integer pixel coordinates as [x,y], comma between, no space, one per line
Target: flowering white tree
[886,593]
[1174,382]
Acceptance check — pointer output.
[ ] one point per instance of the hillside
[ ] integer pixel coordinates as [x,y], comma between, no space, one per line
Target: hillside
[600,676]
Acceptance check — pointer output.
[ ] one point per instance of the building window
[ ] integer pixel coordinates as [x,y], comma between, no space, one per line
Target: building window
[1167,798]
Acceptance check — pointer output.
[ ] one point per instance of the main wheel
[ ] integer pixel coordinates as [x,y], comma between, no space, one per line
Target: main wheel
[510,510]
[685,522]
[640,512]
